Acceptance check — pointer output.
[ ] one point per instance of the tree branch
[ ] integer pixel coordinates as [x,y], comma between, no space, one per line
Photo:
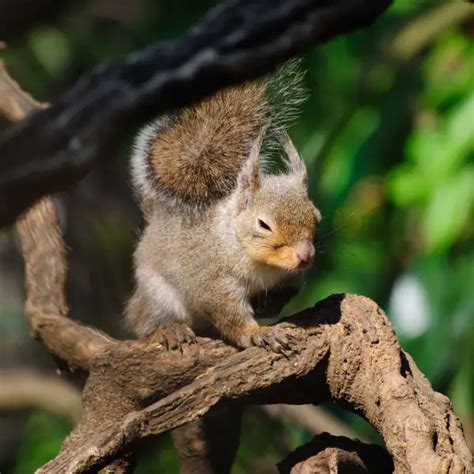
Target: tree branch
[327,453]
[344,349]
[45,273]
[25,389]
[422,30]
[313,419]
[201,445]
[44,252]
[237,41]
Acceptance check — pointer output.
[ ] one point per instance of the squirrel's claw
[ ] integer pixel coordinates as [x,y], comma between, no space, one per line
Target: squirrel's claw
[271,338]
[174,336]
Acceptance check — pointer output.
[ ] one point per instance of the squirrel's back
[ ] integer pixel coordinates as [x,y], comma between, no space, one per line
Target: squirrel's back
[194,156]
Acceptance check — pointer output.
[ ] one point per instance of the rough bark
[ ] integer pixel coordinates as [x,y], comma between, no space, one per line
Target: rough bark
[344,350]
[237,41]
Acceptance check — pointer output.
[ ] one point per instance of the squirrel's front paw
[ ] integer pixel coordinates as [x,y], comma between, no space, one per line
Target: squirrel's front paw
[269,337]
[174,336]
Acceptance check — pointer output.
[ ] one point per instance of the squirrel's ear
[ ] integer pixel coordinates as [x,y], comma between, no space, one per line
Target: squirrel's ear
[249,178]
[294,162]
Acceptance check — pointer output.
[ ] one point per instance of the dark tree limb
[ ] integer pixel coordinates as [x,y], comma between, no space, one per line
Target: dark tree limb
[209,444]
[336,454]
[237,41]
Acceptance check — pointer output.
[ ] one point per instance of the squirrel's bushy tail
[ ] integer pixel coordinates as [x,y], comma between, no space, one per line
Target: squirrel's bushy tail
[194,157]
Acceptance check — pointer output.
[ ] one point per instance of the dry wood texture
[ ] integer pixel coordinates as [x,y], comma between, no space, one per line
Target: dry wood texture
[344,349]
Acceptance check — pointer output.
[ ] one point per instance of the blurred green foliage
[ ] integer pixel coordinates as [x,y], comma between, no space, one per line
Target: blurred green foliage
[44,434]
[388,136]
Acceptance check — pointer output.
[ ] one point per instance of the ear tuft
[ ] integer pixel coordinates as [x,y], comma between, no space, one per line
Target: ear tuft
[293,161]
[249,181]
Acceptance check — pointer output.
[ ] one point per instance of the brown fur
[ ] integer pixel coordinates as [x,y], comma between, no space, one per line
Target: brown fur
[198,158]
[207,261]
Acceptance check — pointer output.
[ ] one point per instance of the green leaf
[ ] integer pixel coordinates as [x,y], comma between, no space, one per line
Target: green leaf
[52,50]
[448,70]
[405,186]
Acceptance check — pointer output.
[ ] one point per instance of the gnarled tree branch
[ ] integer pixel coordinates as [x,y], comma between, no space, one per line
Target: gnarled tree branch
[235,42]
[44,252]
[333,454]
[45,272]
[344,350]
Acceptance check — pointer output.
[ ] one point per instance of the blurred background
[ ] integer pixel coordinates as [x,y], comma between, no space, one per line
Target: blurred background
[387,133]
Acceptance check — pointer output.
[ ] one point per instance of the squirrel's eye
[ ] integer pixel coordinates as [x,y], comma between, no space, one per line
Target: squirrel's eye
[264,225]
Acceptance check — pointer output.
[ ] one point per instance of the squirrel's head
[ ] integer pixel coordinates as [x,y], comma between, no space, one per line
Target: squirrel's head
[276,221]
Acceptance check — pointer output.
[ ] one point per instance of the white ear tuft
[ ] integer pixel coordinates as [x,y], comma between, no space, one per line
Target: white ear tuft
[249,178]
[294,162]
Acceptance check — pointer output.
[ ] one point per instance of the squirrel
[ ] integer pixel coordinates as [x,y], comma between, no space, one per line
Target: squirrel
[224,242]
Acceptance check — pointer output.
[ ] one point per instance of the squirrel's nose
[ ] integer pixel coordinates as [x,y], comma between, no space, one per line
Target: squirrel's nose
[304,253]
